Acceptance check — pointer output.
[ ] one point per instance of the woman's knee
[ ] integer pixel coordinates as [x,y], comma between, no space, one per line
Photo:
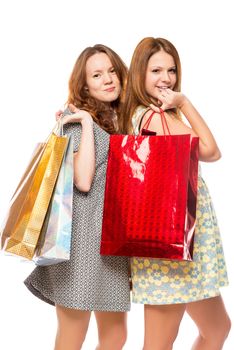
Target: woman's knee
[72,328]
[216,336]
[68,342]
[120,338]
[112,330]
[211,319]
[221,332]
[114,340]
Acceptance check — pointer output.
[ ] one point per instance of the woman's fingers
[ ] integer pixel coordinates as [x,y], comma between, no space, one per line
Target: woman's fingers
[58,114]
[158,109]
[154,108]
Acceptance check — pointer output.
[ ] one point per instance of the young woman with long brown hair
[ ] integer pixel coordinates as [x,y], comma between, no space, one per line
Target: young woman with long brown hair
[89,281]
[168,288]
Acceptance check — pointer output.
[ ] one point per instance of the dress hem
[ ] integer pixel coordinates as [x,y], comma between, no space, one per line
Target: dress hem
[180,302]
[49,301]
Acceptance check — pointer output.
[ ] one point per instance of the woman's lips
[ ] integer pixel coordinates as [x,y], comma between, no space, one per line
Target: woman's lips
[110,89]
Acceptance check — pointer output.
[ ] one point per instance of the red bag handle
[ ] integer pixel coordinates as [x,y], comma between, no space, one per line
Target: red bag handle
[163,120]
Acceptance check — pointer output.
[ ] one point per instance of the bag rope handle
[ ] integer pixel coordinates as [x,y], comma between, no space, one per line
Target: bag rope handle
[163,121]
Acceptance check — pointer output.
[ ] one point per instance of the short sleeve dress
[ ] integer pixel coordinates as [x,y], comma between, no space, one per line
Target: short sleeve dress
[88,281]
[161,282]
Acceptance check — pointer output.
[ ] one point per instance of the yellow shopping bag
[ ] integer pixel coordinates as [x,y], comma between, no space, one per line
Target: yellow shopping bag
[30,202]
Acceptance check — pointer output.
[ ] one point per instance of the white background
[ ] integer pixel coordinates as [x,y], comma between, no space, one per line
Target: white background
[40,41]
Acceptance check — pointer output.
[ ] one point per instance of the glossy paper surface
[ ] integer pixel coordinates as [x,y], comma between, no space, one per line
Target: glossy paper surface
[150,196]
[55,237]
[29,204]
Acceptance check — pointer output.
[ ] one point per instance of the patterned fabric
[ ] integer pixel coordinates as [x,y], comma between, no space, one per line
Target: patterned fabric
[88,281]
[160,282]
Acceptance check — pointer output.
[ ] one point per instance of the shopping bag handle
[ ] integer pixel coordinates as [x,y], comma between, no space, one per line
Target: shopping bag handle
[58,128]
[163,121]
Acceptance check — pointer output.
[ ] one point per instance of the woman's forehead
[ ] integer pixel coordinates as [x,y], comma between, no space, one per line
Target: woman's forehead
[161,59]
[98,61]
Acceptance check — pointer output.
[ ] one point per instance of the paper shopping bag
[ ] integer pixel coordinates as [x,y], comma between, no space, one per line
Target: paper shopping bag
[55,238]
[29,204]
[150,196]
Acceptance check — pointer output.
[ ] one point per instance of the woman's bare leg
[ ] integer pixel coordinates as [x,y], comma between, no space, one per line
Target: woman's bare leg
[112,330]
[212,321]
[72,328]
[161,325]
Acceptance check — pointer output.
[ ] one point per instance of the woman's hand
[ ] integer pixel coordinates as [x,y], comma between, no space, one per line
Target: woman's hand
[77,116]
[58,114]
[171,99]
[208,148]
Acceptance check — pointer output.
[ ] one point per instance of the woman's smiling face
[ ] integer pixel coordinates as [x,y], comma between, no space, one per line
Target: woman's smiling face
[160,73]
[101,79]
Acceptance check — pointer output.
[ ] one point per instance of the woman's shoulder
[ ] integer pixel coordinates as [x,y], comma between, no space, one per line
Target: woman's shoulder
[139,111]
[136,118]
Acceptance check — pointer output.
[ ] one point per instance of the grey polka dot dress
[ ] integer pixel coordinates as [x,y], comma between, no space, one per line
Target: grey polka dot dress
[88,281]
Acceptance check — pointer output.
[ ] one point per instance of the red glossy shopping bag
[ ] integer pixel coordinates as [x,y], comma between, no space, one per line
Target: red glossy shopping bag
[150,196]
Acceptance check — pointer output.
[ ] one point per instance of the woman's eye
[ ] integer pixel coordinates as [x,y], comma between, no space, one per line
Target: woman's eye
[155,70]
[97,75]
[172,70]
[112,70]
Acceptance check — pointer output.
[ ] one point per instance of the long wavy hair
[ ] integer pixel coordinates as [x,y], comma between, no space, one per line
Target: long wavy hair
[135,89]
[103,114]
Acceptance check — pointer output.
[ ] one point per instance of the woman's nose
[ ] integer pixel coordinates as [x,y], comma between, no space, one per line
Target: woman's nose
[165,77]
[107,78]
